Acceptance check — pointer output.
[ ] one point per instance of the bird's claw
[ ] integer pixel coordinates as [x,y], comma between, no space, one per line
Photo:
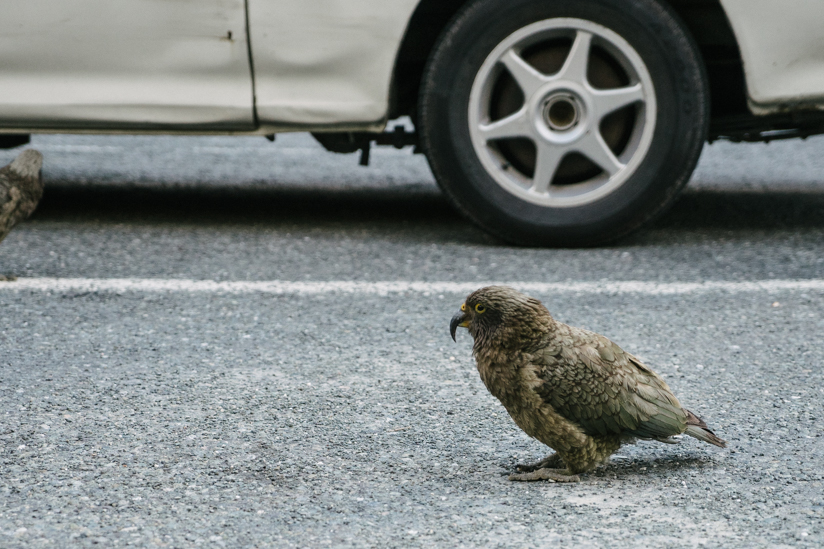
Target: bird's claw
[551,475]
[552,461]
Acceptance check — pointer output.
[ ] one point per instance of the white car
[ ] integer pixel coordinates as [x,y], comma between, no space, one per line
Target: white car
[546,122]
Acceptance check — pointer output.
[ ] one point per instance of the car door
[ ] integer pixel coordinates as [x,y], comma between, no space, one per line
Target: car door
[325,62]
[125,64]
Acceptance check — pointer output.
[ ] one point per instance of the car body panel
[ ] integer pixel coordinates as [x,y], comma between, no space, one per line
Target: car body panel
[184,65]
[782,46]
[125,64]
[325,63]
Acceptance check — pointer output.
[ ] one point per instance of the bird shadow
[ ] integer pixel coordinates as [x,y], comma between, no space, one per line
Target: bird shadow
[407,210]
[653,465]
[625,468]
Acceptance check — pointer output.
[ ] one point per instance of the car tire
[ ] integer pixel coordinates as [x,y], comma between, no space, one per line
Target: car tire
[522,102]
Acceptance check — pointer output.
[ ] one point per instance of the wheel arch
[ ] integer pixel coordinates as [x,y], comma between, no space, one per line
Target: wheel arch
[705,19]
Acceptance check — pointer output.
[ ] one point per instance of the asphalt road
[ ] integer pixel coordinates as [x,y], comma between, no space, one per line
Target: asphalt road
[348,418]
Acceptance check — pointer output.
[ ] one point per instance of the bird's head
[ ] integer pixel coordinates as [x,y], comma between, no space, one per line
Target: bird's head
[496,313]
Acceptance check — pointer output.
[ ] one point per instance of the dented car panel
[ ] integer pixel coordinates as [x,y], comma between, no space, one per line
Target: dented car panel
[125,64]
[782,46]
[325,62]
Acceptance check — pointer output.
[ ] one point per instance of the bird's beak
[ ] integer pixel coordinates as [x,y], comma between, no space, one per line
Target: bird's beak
[460,319]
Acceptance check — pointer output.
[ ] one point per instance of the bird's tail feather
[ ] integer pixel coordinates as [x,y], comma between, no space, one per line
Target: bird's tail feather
[698,429]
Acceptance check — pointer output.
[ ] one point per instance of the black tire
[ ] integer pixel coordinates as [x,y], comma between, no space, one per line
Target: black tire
[676,69]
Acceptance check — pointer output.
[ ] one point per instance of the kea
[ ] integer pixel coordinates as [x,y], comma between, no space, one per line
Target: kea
[574,390]
[21,187]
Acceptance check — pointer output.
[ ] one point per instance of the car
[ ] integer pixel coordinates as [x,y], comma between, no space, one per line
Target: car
[545,122]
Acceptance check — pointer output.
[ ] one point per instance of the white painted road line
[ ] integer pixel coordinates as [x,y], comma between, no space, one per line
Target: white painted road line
[117,285]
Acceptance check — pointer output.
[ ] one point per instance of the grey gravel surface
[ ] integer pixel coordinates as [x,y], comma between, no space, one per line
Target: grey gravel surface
[175,419]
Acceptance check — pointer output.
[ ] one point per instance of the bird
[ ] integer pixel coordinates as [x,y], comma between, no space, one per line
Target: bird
[573,390]
[21,188]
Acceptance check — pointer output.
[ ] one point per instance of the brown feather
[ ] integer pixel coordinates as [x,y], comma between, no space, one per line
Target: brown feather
[21,187]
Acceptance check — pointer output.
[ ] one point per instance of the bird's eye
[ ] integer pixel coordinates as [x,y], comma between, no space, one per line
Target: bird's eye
[479,308]
[463,307]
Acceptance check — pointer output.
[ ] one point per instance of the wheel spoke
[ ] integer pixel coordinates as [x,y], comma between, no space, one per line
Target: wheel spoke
[546,164]
[607,101]
[524,74]
[514,125]
[575,66]
[595,148]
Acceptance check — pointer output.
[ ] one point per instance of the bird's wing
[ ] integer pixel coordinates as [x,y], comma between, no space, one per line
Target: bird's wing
[21,187]
[592,381]
[6,188]
[10,198]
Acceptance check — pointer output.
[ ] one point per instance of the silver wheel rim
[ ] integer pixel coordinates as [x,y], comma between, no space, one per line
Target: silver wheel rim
[563,113]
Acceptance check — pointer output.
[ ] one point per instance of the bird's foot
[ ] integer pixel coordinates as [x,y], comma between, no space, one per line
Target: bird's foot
[552,461]
[552,475]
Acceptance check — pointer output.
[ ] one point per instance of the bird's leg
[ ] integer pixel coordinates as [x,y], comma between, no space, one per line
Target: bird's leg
[552,475]
[552,461]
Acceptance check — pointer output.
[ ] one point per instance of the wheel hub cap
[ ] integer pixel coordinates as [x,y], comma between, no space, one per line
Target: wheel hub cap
[561,112]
